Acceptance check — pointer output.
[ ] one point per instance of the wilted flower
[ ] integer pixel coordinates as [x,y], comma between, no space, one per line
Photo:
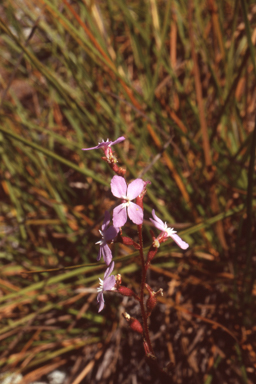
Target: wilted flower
[159,224]
[107,234]
[107,284]
[119,189]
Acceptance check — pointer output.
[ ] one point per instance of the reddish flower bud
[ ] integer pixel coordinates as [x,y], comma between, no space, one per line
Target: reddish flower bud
[119,171]
[152,252]
[134,324]
[128,241]
[125,291]
[151,301]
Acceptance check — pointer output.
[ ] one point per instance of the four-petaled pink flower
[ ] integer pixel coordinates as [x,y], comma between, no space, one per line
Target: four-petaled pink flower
[119,189]
[107,234]
[159,224]
[105,145]
[107,284]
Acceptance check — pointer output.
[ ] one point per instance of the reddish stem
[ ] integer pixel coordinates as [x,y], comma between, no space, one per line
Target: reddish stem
[143,281]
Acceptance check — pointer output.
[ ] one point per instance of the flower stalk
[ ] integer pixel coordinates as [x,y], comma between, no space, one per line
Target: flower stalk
[113,233]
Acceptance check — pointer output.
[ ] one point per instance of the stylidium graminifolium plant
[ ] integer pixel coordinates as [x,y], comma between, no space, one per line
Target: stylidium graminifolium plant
[136,190]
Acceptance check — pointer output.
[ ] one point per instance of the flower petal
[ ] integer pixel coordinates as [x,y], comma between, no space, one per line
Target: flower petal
[99,253]
[106,220]
[119,216]
[159,221]
[89,149]
[157,225]
[109,283]
[100,300]
[135,188]
[182,244]
[118,140]
[109,270]
[118,186]
[111,233]
[106,253]
[135,213]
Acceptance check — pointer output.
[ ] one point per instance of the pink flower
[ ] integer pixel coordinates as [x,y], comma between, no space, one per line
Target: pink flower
[107,284]
[107,234]
[119,189]
[159,224]
[105,145]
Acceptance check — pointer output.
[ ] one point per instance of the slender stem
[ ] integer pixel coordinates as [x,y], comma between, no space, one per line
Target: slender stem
[143,281]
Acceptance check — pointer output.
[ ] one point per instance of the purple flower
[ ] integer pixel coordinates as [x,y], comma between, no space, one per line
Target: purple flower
[107,284]
[159,224]
[107,234]
[119,189]
[105,145]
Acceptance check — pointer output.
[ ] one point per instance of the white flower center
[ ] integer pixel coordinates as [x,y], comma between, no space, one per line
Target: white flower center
[102,241]
[127,201]
[170,231]
[105,142]
[100,288]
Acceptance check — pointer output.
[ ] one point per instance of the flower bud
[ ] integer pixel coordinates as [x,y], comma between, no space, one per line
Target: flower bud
[152,252]
[134,324]
[129,241]
[125,291]
[119,171]
[151,302]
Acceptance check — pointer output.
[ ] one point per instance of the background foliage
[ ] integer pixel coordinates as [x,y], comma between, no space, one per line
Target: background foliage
[177,79]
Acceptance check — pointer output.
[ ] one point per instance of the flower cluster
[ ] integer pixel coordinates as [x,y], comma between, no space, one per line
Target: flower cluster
[135,190]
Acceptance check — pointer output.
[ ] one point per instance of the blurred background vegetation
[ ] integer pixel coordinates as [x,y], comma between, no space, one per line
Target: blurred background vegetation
[177,79]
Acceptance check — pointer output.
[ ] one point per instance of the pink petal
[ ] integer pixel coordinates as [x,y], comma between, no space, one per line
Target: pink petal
[182,244]
[89,149]
[119,216]
[135,213]
[107,254]
[109,270]
[118,140]
[100,300]
[99,253]
[135,188]
[157,225]
[159,221]
[109,283]
[106,220]
[118,186]
[110,233]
